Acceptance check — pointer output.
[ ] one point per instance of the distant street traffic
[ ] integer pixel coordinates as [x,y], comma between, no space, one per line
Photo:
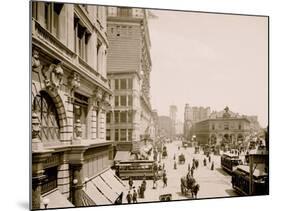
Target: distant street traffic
[213,183]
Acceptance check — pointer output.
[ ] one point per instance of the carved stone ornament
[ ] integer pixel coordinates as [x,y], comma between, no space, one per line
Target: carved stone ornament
[98,94]
[35,59]
[36,142]
[78,129]
[53,76]
[35,126]
[73,83]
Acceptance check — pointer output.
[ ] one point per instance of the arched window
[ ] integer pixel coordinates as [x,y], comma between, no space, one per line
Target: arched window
[44,106]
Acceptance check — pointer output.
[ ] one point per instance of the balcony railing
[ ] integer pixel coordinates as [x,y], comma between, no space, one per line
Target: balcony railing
[46,37]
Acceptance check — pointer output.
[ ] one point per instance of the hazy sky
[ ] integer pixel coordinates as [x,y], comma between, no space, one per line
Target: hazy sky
[209,60]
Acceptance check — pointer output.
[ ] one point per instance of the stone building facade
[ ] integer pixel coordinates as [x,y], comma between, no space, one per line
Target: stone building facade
[223,127]
[193,114]
[129,67]
[70,98]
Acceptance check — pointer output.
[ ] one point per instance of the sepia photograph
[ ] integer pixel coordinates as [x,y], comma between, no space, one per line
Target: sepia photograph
[133,105]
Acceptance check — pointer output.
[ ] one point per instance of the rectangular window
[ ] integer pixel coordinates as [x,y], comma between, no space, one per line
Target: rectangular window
[123,117]
[130,135]
[123,135]
[130,83]
[116,134]
[116,84]
[34,10]
[116,103]
[130,100]
[57,7]
[81,40]
[108,117]
[123,83]
[47,16]
[108,134]
[81,112]
[130,117]
[123,100]
[116,116]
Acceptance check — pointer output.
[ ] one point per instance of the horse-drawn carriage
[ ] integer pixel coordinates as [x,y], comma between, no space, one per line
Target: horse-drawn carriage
[181,158]
[189,186]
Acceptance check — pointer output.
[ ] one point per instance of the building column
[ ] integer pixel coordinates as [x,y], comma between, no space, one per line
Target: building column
[63,176]
[77,184]
[37,177]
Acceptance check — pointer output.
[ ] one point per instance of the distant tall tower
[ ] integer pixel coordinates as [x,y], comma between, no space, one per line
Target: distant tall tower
[173,116]
[173,113]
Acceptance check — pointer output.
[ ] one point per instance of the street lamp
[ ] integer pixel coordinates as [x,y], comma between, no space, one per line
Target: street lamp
[75,181]
[46,202]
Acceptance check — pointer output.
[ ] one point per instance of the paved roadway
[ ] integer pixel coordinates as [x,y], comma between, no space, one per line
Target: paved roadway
[216,183]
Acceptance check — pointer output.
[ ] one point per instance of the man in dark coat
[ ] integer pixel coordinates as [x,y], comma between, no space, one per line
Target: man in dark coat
[135,195]
[129,197]
[131,182]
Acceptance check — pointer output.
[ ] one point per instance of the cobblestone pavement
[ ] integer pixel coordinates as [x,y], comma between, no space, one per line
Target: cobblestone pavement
[216,183]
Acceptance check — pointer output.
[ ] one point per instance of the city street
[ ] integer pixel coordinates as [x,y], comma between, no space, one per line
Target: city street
[216,183]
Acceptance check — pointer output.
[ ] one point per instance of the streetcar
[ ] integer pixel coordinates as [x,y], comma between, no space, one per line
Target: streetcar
[241,182]
[229,161]
[136,169]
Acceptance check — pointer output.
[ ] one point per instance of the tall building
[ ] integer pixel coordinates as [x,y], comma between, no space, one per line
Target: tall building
[70,98]
[192,115]
[129,67]
[165,126]
[173,116]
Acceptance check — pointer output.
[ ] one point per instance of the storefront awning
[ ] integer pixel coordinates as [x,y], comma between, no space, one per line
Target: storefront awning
[105,189]
[56,200]
[97,196]
[113,181]
[122,156]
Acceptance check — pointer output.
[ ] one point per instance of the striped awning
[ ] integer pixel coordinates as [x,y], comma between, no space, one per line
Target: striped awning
[105,188]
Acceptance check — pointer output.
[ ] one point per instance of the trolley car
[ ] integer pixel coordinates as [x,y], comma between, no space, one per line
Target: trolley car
[241,181]
[136,169]
[229,161]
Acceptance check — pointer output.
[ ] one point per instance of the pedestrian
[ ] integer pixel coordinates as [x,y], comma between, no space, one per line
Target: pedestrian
[212,166]
[205,162]
[165,180]
[154,182]
[141,191]
[131,182]
[196,164]
[144,184]
[174,156]
[129,197]
[164,173]
[135,195]
[209,159]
